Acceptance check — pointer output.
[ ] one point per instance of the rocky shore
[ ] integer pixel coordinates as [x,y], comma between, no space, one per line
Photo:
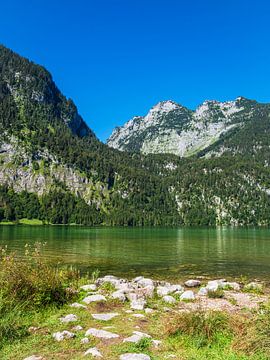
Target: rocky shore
[114,311]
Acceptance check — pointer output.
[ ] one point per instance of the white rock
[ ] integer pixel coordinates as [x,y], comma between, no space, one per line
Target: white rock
[136,337]
[93,298]
[119,295]
[78,306]
[130,356]
[149,311]
[68,318]
[62,335]
[163,290]
[156,343]
[187,296]
[77,328]
[147,291]
[145,282]
[90,287]
[203,291]
[169,299]
[85,340]
[34,357]
[102,334]
[94,352]
[230,285]
[193,283]
[104,316]
[213,285]
[138,304]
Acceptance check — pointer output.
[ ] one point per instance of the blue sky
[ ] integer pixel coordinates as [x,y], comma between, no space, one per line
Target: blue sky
[117,58]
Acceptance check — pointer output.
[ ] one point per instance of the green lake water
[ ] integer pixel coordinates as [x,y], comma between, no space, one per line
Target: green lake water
[157,252]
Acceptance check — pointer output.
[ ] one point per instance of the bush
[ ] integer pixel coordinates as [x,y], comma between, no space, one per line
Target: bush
[31,279]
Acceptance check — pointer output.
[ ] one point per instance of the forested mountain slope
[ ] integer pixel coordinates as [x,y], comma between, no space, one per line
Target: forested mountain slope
[53,167]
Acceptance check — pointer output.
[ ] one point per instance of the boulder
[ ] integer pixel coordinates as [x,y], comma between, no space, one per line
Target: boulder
[94,298]
[145,282]
[102,334]
[193,283]
[63,335]
[213,285]
[187,296]
[93,352]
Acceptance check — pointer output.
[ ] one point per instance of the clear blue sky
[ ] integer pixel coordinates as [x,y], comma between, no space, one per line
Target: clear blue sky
[117,58]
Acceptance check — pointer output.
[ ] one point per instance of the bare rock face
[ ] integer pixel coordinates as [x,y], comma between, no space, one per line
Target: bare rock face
[172,128]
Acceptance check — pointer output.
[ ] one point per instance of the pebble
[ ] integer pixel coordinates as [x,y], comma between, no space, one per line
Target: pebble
[85,340]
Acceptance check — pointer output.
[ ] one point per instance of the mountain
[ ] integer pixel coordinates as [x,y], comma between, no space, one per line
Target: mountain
[172,128]
[53,167]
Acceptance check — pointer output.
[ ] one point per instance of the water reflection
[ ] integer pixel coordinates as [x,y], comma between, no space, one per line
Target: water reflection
[172,252]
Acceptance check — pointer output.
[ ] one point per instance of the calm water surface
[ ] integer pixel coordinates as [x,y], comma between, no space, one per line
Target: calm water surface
[155,252]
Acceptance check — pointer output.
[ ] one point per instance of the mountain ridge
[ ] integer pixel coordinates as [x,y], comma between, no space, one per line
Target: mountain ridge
[172,128]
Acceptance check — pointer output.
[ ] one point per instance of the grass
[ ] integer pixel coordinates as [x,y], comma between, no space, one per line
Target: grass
[35,295]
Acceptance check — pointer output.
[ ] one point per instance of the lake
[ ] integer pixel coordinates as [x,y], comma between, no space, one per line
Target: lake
[156,252]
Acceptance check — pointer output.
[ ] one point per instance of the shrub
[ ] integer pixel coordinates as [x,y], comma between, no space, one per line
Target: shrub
[31,279]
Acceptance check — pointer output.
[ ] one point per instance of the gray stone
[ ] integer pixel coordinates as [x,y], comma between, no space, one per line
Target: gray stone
[85,340]
[130,356]
[93,352]
[77,328]
[119,295]
[187,296]
[34,357]
[136,337]
[94,298]
[104,316]
[138,304]
[102,334]
[78,306]
[90,287]
[63,335]
[193,283]
[213,285]
[68,318]
[169,299]
[145,282]
[203,291]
